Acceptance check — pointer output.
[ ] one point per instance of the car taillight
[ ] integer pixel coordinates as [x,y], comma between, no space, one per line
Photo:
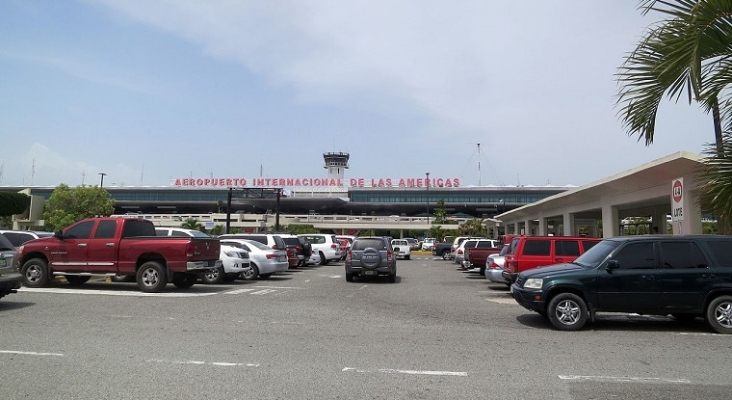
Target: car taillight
[494,266]
[272,255]
[388,254]
[434,245]
[460,251]
[333,246]
[189,249]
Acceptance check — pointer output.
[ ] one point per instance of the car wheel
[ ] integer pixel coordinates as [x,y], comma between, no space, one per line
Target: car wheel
[445,255]
[151,277]
[567,312]
[75,280]
[719,314]
[185,281]
[35,273]
[214,276]
[250,273]
[392,278]
[349,277]
[407,257]
[323,260]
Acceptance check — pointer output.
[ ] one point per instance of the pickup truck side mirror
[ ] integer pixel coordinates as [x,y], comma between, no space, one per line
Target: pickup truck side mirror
[59,235]
[611,265]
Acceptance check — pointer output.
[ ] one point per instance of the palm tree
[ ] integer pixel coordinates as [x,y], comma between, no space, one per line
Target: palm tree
[191,223]
[689,52]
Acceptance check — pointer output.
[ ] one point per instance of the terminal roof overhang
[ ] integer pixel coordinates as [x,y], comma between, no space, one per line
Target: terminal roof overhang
[659,171]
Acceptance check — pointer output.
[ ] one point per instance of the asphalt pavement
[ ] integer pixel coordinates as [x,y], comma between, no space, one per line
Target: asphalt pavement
[438,333]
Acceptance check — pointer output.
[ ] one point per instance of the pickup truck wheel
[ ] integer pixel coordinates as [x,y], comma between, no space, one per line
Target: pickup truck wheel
[185,281]
[75,280]
[151,277]
[35,273]
[445,255]
[215,276]
[250,273]
[567,312]
[719,314]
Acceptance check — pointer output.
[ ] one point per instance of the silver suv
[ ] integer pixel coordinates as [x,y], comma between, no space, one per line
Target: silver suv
[371,256]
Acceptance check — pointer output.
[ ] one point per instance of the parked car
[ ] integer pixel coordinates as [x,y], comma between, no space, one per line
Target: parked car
[272,240]
[343,245]
[371,256]
[428,243]
[234,262]
[488,244]
[442,249]
[300,247]
[456,244]
[686,276]
[17,238]
[10,279]
[325,245]
[413,244]
[493,267]
[529,252]
[111,246]
[264,260]
[402,249]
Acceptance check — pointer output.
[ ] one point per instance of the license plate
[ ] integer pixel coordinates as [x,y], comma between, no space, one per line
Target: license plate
[370,272]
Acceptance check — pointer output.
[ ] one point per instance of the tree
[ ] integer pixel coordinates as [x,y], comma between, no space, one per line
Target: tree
[473,227]
[440,212]
[299,229]
[12,203]
[716,191]
[67,205]
[217,230]
[191,223]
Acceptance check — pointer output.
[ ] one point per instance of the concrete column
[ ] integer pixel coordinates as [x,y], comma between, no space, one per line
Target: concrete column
[568,224]
[659,222]
[543,226]
[610,220]
[527,227]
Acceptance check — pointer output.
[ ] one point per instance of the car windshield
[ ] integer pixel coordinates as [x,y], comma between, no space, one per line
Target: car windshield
[593,257]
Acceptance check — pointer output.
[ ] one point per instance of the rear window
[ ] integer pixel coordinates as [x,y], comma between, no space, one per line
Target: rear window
[315,239]
[722,251]
[18,238]
[485,244]
[134,228]
[533,247]
[5,243]
[291,241]
[362,244]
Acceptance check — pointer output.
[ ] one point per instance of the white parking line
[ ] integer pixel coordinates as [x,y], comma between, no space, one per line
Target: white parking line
[622,379]
[194,362]
[111,292]
[239,291]
[30,353]
[503,301]
[404,371]
[264,291]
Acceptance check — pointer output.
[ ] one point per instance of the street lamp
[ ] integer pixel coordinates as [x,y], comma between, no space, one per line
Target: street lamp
[101,181]
[427,184]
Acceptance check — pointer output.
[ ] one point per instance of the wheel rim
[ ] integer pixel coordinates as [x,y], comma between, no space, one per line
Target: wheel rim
[33,273]
[445,256]
[213,275]
[723,314]
[567,312]
[150,277]
[248,273]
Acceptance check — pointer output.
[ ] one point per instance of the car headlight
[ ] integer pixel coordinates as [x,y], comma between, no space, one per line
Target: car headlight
[533,283]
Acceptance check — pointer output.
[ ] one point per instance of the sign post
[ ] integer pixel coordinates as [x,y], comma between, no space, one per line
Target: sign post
[677,201]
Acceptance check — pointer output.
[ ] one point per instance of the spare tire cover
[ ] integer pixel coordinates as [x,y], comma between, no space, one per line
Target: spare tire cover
[370,258]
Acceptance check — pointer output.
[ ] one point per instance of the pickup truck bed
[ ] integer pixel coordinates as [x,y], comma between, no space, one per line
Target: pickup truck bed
[476,257]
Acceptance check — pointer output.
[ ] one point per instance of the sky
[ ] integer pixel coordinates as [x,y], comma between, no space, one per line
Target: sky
[489,92]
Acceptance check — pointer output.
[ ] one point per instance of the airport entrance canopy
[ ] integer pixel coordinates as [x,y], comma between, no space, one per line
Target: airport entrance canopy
[663,192]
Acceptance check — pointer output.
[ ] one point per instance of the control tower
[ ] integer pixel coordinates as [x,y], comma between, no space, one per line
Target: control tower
[336,164]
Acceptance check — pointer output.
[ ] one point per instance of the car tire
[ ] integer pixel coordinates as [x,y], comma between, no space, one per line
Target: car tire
[719,314]
[445,255]
[407,257]
[392,278]
[323,260]
[213,277]
[75,280]
[250,273]
[151,277]
[349,277]
[185,281]
[567,312]
[35,273]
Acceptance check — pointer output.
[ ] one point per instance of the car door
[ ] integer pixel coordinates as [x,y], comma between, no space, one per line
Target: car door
[102,247]
[73,249]
[566,250]
[634,284]
[686,276]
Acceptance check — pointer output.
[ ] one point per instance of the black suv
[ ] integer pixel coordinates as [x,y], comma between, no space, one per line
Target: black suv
[371,256]
[685,276]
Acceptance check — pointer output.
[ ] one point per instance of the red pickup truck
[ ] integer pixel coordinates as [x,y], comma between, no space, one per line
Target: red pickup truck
[118,246]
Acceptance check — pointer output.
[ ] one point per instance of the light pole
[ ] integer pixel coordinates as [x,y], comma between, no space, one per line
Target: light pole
[101,181]
[427,184]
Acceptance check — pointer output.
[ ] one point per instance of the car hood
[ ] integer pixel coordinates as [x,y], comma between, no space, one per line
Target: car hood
[541,272]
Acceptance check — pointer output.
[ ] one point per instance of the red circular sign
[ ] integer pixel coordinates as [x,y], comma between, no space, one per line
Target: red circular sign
[677,190]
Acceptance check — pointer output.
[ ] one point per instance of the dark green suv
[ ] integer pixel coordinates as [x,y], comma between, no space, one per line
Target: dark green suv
[682,276]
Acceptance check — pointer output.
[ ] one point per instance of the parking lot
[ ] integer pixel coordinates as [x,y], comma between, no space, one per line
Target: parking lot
[437,333]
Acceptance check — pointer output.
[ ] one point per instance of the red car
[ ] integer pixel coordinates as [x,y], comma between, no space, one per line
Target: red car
[344,245]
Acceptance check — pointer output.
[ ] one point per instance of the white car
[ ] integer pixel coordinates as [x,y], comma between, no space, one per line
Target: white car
[428,244]
[325,245]
[264,260]
[401,248]
[235,262]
